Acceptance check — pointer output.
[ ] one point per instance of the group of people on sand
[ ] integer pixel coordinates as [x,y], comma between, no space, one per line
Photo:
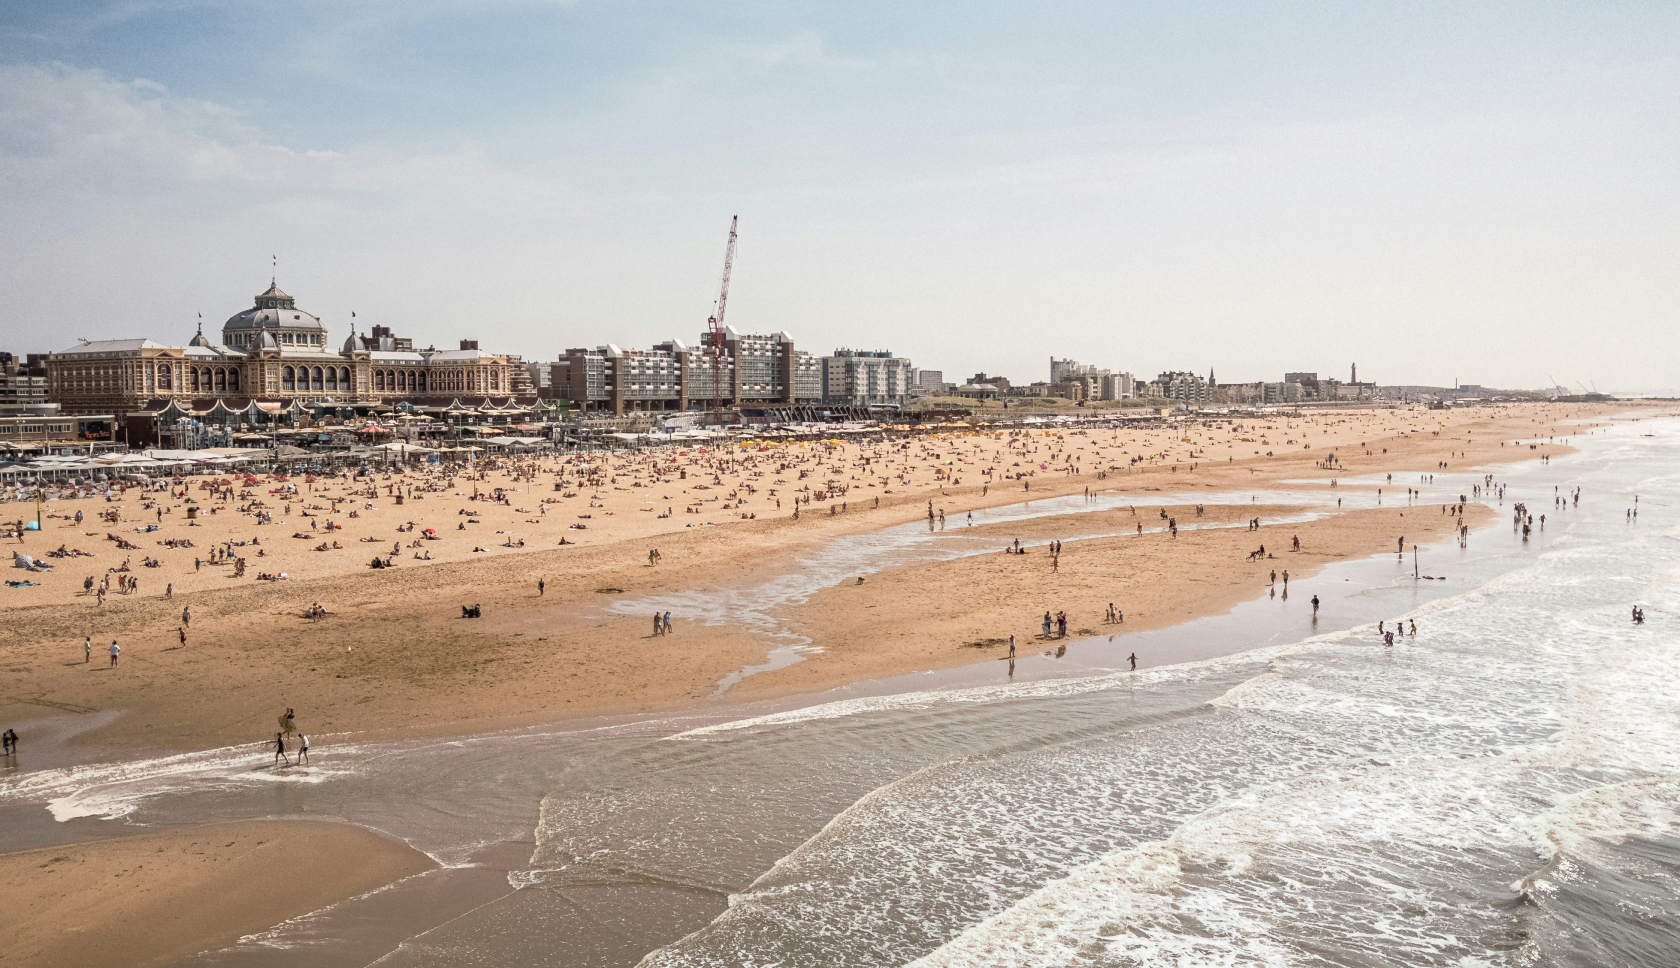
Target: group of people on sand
[662,623]
[1058,622]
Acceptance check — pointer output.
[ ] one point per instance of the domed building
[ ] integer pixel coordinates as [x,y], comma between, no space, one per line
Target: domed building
[273,355]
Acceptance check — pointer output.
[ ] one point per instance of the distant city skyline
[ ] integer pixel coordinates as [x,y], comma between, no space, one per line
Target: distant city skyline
[1437,192]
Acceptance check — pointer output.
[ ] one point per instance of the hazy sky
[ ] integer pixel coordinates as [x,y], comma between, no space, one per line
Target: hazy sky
[1481,191]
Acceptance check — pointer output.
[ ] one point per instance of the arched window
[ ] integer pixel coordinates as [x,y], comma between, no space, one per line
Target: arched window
[233,379]
[221,379]
[192,379]
[332,378]
[420,383]
[317,379]
[287,380]
[379,379]
[344,378]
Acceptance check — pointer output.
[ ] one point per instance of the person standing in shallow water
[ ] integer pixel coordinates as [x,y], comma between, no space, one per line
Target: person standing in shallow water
[1133,660]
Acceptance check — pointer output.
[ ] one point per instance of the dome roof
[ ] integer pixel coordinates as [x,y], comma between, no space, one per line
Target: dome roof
[353,344]
[273,309]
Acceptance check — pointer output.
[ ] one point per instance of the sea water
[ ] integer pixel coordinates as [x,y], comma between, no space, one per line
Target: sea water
[1499,789]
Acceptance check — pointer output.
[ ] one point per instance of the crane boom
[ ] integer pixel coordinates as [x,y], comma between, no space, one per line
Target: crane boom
[714,325]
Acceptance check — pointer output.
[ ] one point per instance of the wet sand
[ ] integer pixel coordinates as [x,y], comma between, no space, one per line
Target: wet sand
[139,900]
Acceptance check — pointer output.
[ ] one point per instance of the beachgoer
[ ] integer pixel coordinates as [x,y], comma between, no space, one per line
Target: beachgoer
[115,651]
[1315,606]
[303,749]
[1133,660]
[87,649]
[1012,645]
[539,587]
[667,624]
[280,748]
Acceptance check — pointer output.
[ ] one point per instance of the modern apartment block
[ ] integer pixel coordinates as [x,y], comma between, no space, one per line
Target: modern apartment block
[752,371]
[864,378]
[23,382]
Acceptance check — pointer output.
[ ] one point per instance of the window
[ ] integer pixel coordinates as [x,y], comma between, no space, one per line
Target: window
[317,379]
[379,379]
[233,380]
[344,378]
[221,379]
[332,378]
[286,379]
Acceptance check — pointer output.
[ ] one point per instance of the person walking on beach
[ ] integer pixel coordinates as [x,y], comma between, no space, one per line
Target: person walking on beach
[1011,646]
[1315,606]
[667,624]
[658,625]
[186,616]
[181,630]
[1133,660]
[87,649]
[280,749]
[303,749]
[1047,621]
[1286,579]
[539,587]
[115,651]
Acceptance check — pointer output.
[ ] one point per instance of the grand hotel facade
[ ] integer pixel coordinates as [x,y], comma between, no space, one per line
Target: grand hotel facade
[272,356]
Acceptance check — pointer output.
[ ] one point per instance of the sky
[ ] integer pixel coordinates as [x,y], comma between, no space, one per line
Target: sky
[1479,192]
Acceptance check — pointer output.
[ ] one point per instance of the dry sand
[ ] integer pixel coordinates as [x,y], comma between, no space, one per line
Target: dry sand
[133,901]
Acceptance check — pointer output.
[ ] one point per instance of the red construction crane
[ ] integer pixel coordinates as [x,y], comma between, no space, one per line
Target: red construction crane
[714,326]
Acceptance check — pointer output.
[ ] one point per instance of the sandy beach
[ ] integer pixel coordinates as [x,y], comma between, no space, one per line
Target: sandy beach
[181,891]
[393,655]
